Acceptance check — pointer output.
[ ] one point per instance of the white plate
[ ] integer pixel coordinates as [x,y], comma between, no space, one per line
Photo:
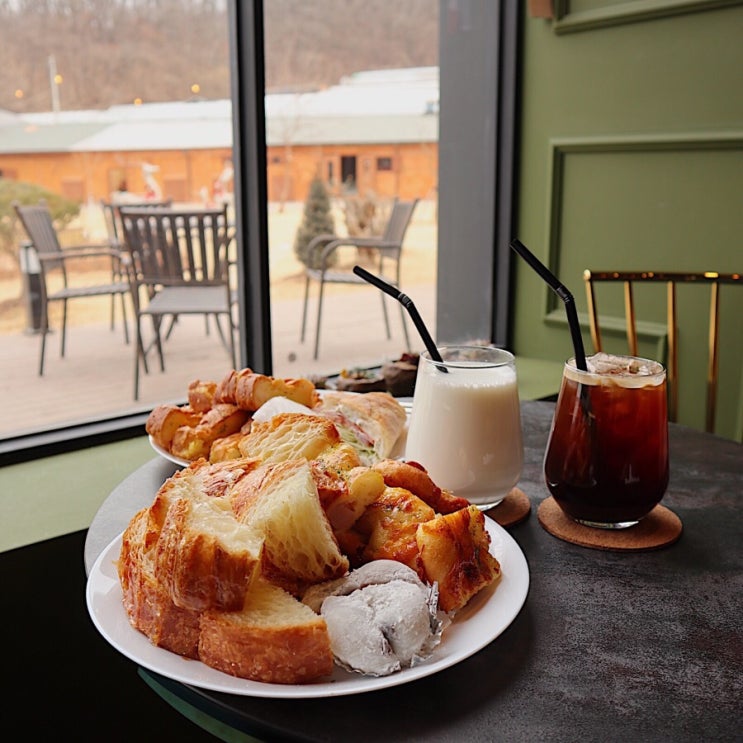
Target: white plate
[167,455]
[486,616]
[397,450]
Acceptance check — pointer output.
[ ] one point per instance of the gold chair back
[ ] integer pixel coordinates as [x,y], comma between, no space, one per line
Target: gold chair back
[671,279]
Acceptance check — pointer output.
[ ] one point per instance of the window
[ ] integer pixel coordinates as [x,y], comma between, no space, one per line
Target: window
[457,239]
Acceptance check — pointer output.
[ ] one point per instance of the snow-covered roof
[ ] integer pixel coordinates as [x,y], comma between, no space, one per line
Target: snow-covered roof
[366,107]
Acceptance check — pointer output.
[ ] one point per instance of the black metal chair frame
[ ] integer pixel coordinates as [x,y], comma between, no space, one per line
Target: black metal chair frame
[178,265]
[321,253]
[112,217]
[38,224]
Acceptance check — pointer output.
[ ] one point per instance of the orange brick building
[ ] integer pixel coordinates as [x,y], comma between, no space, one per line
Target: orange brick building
[377,131]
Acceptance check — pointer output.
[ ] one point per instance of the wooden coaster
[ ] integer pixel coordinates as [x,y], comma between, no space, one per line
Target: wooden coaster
[512,510]
[659,528]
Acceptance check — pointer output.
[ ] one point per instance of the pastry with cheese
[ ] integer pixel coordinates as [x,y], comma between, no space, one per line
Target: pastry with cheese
[222,420]
[454,552]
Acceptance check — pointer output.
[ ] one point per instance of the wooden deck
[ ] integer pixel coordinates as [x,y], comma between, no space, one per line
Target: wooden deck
[95,379]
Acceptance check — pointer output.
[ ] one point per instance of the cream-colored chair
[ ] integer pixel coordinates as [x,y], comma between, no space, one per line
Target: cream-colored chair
[671,280]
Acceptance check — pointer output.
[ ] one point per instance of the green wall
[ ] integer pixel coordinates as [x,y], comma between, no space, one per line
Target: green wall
[631,158]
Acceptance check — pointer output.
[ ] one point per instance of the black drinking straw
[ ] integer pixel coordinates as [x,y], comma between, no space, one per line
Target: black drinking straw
[562,291]
[407,302]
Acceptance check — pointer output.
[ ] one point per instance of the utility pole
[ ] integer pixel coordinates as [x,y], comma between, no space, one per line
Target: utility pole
[53,83]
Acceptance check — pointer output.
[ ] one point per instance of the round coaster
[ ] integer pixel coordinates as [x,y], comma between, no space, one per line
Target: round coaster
[512,510]
[659,528]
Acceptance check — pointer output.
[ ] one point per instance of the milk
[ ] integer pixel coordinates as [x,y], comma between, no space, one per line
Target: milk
[465,426]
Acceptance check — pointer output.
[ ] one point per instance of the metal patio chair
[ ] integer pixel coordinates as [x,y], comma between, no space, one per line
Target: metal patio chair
[59,281]
[386,249]
[112,217]
[178,265]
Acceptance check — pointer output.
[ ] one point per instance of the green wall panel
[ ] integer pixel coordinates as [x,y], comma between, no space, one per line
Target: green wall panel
[632,158]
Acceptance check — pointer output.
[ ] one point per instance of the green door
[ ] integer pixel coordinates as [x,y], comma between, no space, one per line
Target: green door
[631,158]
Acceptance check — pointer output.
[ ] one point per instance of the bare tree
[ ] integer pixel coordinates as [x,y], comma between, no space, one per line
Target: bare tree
[113,51]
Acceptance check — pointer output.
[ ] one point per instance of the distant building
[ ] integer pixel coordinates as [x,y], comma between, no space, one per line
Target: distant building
[375,131]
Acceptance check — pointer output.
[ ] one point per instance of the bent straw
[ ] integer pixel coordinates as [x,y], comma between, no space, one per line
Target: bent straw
[407,302]
[562,291]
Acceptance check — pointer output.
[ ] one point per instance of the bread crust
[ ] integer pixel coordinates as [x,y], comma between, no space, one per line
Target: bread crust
[249,390]
[164,421]
[222,420]
[274,639]
[146,602]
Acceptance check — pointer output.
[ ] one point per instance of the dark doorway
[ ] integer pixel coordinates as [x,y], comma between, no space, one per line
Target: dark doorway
[348,171]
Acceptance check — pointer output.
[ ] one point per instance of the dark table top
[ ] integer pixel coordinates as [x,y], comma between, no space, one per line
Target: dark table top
[608,646]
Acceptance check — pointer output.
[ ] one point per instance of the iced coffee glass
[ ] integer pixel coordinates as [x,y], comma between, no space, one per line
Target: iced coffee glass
[606,462]
[465,426]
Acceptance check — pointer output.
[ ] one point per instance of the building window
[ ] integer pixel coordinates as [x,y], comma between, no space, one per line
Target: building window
[384,163]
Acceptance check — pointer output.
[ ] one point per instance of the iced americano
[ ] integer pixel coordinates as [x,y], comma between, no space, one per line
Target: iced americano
[606,462]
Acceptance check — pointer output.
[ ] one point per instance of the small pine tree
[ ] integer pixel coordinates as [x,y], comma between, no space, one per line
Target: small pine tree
[317,219]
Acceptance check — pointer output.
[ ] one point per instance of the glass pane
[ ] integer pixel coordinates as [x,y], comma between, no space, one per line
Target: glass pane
[352,92]
[98,102]
[107,111]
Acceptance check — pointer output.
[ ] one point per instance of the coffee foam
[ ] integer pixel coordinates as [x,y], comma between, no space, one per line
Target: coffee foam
[624,371]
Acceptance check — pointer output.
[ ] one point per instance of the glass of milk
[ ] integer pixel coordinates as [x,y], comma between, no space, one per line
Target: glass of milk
[465,425]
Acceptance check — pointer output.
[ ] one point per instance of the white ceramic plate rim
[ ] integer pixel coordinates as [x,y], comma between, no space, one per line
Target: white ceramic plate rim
[167,455]
[486,616]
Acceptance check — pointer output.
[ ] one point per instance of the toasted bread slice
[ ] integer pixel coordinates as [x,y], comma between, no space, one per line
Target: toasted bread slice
[289,436]
[249,390]
[274,638]
[201,395]
[146,602]
[204,558]
[281,503]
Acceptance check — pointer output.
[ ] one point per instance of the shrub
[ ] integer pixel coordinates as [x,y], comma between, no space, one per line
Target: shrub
[317,219]
[11,233]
